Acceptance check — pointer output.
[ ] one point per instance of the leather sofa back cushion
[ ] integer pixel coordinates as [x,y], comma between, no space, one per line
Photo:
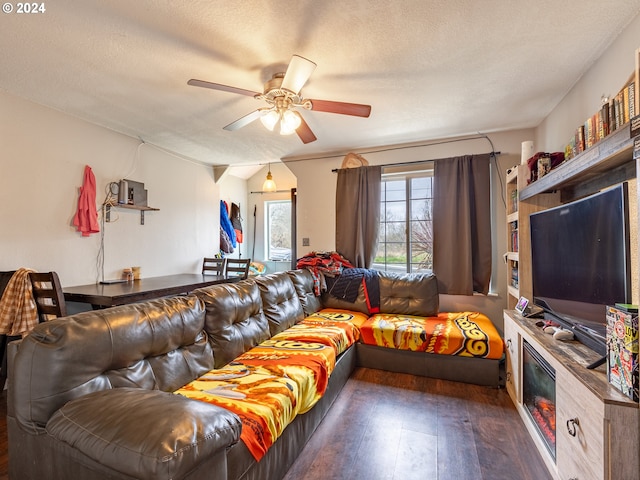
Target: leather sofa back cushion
[280,302]
[409,294]
[402,293]
[303,283]
[234,319]
[145,446]
[159,344]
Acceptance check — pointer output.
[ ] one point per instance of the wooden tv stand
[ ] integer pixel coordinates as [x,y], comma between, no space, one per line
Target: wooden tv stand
[604,421]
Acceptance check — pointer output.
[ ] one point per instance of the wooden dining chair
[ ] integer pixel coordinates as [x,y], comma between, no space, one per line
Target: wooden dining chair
[238,267]
[47,293]
[213,266]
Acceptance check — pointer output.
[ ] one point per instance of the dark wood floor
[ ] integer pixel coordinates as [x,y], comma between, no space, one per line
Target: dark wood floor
[401,427]
[393,426]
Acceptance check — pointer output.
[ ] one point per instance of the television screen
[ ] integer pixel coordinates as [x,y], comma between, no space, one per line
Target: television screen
[580,260]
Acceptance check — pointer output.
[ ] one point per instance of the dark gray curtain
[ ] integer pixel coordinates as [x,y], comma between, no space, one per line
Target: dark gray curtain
[462,224]
[358,214]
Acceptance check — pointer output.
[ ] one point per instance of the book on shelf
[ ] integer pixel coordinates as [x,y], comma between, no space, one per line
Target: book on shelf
[613,114]
[580,139]
[637,82]
[514,201]
[622,348]
[603,121]
[632,100]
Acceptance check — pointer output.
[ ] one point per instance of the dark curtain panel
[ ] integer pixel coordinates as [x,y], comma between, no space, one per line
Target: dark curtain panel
[462,224]
[358,214]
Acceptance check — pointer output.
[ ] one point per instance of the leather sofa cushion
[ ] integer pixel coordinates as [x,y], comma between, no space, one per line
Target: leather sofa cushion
[158,344]
[360,305]
[280,302]
[303,283]
[402,293]
[409,294]
[147,434]
[234,320]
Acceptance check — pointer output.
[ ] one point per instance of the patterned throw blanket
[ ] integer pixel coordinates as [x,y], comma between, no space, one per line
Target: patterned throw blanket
[468,334]
[335,328]
[273,382]
[18,310]
[287,374]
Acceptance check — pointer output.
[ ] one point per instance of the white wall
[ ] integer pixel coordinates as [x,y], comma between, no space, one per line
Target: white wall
[606,77]
[285,181]
[42,159]
[316,204]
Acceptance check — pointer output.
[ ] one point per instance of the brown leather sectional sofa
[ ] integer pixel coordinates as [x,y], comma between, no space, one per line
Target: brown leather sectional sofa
[90,394]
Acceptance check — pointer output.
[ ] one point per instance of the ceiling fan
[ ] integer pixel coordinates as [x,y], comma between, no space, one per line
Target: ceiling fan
[282,94]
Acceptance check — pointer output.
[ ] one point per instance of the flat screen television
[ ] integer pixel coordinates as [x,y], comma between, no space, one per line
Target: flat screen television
[580,262]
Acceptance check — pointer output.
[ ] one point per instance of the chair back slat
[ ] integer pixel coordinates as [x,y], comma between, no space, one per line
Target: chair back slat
[213,266]
[238,267]
[47,292]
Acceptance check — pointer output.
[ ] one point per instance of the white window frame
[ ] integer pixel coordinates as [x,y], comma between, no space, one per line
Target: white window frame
[267,227]
[406,173]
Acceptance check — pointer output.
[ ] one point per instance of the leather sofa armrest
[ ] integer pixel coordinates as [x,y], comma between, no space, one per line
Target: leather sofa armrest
[147,434]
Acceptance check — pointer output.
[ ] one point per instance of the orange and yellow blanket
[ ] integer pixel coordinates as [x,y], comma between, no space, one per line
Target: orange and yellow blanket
[287,374]
[468,334]
[335,328]
[267,387]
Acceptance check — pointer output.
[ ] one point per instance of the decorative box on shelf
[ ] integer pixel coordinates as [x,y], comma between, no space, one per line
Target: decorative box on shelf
[622,346]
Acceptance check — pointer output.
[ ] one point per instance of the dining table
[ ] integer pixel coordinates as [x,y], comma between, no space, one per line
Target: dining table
[102,295]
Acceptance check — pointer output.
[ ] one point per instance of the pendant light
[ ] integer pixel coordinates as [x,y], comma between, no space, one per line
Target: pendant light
[269,185]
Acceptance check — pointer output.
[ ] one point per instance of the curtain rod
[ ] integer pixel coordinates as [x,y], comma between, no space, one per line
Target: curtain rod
[277,191]
[478,137]
[494,154]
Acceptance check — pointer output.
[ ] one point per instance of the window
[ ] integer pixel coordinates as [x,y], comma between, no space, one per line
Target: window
[278,230]
[405,242]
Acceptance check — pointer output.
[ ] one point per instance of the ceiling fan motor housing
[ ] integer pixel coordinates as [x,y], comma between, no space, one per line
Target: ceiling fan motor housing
[280,97]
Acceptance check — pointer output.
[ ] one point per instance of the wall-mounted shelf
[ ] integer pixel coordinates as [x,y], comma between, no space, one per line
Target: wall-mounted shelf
[610,155]
[142,208]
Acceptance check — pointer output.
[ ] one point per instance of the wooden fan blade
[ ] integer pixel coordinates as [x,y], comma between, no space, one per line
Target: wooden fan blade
[244,121]
[218,86]
[355,109]
[298,72]
[304,132]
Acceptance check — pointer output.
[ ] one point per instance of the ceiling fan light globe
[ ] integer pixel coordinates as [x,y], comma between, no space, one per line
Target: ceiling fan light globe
[270,119]
[285,129]
[292,119]
[290,122]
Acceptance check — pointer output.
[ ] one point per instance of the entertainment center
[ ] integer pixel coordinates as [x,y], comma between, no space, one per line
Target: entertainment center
[582,426]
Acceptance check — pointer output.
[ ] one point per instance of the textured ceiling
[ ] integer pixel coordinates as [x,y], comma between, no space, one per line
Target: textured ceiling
[429,68]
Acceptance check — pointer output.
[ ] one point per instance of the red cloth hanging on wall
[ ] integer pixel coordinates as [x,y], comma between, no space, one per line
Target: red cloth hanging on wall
[236,221]
[86,217]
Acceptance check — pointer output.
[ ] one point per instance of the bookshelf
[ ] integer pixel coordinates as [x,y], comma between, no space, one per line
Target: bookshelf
[518,256]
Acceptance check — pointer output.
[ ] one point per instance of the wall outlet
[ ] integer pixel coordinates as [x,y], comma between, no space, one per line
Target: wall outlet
[305,242]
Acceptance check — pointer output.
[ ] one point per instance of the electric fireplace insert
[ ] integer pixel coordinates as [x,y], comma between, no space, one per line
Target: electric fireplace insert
[539,395]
